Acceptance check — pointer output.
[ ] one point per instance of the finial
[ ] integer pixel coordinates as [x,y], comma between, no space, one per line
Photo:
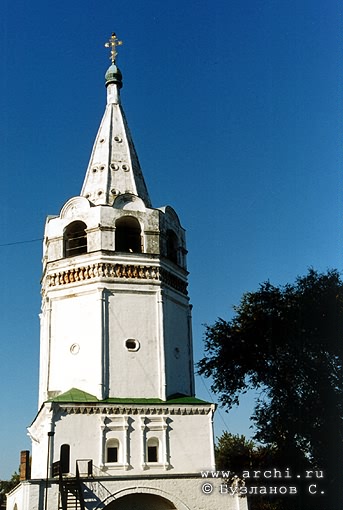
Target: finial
[112,43]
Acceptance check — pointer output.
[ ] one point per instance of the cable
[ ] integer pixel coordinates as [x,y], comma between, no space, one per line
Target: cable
[21,242]
[218,410]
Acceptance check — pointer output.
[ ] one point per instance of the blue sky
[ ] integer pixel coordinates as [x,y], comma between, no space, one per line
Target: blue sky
[235,109]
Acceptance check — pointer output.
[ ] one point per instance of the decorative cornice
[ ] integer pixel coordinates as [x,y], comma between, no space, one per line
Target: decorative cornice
[173,281]
[134,410]
[113,271]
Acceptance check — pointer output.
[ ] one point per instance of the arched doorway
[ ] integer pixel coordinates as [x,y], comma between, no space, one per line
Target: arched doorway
[65,458]
[141,501]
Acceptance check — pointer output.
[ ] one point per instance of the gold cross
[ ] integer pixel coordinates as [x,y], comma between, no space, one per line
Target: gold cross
[112,43]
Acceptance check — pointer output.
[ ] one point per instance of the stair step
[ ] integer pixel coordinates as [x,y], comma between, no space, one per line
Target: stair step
[73,500]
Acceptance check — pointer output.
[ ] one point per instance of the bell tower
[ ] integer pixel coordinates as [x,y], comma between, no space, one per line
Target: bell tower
[118,424]
[115,313]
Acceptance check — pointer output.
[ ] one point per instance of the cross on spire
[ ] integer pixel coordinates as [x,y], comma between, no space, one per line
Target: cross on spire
[112,43]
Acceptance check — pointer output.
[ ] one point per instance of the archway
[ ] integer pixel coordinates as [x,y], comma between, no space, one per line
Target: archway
[141,501]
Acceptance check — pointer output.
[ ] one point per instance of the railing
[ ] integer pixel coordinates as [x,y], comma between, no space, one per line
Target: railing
[70,487]
[78,487]
[86,466]
[63,489]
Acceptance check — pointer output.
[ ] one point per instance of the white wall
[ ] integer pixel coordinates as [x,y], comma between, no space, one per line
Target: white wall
[183,493]
[133,314]
[76,342]
[184,433]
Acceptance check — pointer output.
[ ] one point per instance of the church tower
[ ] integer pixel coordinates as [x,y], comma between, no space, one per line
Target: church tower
[118,424]
[115,310]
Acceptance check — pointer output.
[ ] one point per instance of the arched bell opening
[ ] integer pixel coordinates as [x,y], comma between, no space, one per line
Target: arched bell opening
[75,239]
[172,246]
[128,235]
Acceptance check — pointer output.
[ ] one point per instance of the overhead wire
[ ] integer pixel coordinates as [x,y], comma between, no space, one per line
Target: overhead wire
[21,242]
[218,411]
[200,377]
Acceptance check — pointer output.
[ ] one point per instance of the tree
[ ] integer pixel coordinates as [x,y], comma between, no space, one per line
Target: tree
[238,455]
[286,342]
[234,451]
[6,486]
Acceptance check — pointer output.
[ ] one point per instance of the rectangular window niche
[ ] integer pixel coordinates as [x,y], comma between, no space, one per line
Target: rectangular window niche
[155,451]
[115,452]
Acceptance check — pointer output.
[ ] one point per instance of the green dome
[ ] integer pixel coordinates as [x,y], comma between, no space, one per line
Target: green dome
[113,75]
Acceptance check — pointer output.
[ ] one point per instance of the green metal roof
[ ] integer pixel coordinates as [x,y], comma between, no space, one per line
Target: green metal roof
[78,396]
[74,395]
[113,75]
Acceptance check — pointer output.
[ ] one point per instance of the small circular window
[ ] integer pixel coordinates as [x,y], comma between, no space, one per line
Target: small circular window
[132,345]
[75,349]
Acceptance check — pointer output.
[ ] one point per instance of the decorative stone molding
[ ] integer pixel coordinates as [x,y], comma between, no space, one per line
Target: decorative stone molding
[155,427]
[74,207]
[173,281]
[115,427]
[130,410]
[113,271]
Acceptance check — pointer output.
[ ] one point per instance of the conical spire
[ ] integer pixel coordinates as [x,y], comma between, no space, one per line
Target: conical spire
[113,167]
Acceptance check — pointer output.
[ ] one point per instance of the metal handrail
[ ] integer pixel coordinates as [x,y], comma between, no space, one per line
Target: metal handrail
[62,488]
[79,487]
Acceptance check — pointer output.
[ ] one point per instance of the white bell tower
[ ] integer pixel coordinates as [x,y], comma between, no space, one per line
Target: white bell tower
[116,386]
[116,317]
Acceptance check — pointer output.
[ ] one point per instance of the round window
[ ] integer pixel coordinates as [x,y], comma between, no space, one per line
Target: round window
[132,345]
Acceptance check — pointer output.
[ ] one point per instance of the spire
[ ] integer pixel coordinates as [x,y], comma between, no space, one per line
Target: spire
[113,167]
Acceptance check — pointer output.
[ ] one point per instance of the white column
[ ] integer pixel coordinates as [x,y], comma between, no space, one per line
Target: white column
[102,328]
[143,443]
[211,418]
[161,347]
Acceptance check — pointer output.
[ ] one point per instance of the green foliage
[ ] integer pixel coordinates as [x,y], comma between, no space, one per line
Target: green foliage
[234,452]
[6,486]
[259,467]
[287,342]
